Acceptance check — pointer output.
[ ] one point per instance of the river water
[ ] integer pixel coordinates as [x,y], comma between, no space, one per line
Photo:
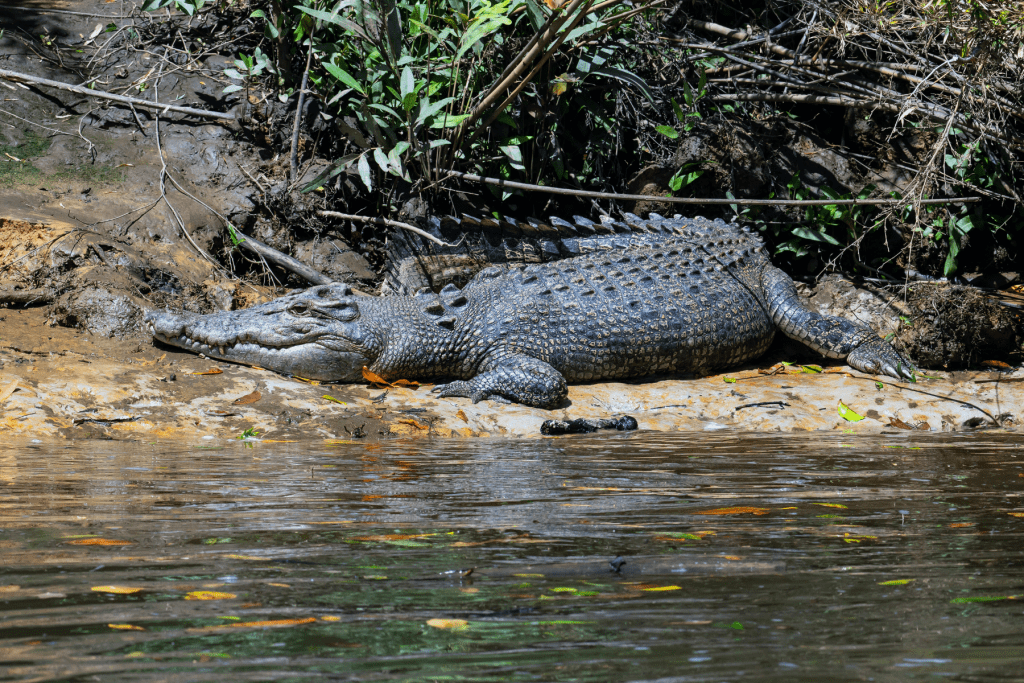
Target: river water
[617,558]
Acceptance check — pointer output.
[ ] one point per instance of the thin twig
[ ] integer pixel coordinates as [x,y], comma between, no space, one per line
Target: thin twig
[298,111]
[16,77]
[703,200]
[384,221]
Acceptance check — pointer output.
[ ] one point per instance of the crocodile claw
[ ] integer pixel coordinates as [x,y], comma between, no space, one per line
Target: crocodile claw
[878,357]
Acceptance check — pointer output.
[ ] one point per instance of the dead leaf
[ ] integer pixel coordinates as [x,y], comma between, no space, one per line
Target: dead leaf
[312,382]
[462,416]
[211,371]
[6,392]
[452,624]
[209,595]
[375,379]
[118,590]
[898,423]
[98,541]
[248,398]
[741,510]
[125,627]
[995,364]
[414,423]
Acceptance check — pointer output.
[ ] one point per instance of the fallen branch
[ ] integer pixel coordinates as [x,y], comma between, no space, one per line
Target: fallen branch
[384,221]
[99,94]
[702,200]
[25,297]
[285,261]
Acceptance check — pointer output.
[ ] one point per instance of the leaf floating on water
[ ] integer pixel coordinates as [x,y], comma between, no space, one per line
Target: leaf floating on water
[333,400]
[118,590]
[983,598]
[847,414]
[248,398]
[125,627]
[961,525]
[1016,514]
[896,582]
[659,589]
[211,371]
[209,595]
[742,510]
[449,624]
[246,557]
[832,505]
[272,623]
[393,537]
[98,541]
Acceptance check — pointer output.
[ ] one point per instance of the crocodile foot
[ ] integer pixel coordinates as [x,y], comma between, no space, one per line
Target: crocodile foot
[878,357]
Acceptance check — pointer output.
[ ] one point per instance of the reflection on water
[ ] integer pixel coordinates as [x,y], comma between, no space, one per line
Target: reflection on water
[739,558]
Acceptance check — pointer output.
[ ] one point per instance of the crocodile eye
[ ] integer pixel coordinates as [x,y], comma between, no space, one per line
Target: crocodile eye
[299,309]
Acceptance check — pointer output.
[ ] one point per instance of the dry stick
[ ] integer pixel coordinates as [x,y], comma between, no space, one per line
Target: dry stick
[99,94]
[289,263]
[529,77]
[47,10]
[879,67]
[924,108]
[704,201]
[491,96]
[384,221]
[298,109]
[24,296]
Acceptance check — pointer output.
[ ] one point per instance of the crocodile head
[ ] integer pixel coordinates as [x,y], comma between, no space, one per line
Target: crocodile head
[314,334]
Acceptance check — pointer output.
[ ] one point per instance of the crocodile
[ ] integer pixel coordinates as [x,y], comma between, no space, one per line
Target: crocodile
[653,296]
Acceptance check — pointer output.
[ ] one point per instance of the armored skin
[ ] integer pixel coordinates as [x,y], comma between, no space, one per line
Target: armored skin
[662,296]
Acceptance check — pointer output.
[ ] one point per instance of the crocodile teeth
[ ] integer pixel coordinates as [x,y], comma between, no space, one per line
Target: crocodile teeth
[222,351]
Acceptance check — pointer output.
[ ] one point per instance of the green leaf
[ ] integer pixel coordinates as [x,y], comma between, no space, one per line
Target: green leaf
[449,121]
[382,159]
[847,414]
[668,131]
[816,236]
[364,172]
[680,116]
[344,77]
[729,380]
[408,82]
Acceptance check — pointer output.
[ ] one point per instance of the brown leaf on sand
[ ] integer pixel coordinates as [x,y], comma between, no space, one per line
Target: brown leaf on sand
[6,392]
[899,424]
[248,398]
[374,378]
[211,371]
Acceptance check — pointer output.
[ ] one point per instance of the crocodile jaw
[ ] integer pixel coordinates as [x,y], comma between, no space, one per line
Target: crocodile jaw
[329,352]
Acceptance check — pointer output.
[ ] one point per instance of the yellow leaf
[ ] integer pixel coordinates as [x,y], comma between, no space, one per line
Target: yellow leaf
[831,505]
[330,618]
[125,627]
[98,541]
[736,511]
[1016,514]
[209,595]
[658,589]
[245,557]
[451,624]
[462,416]
[211,371]
[847,414]
[559,88]
[272,622]
[334,400]
[119,590]
[895,582]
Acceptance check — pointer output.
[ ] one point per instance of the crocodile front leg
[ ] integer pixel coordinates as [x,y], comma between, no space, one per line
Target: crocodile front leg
[828,335]
[517,378]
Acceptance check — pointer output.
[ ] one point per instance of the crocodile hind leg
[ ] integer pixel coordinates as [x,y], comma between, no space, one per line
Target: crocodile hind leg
[521,379]
[828,335]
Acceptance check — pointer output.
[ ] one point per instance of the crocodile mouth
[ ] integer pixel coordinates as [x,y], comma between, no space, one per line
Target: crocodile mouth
[321,357]
[229,350]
